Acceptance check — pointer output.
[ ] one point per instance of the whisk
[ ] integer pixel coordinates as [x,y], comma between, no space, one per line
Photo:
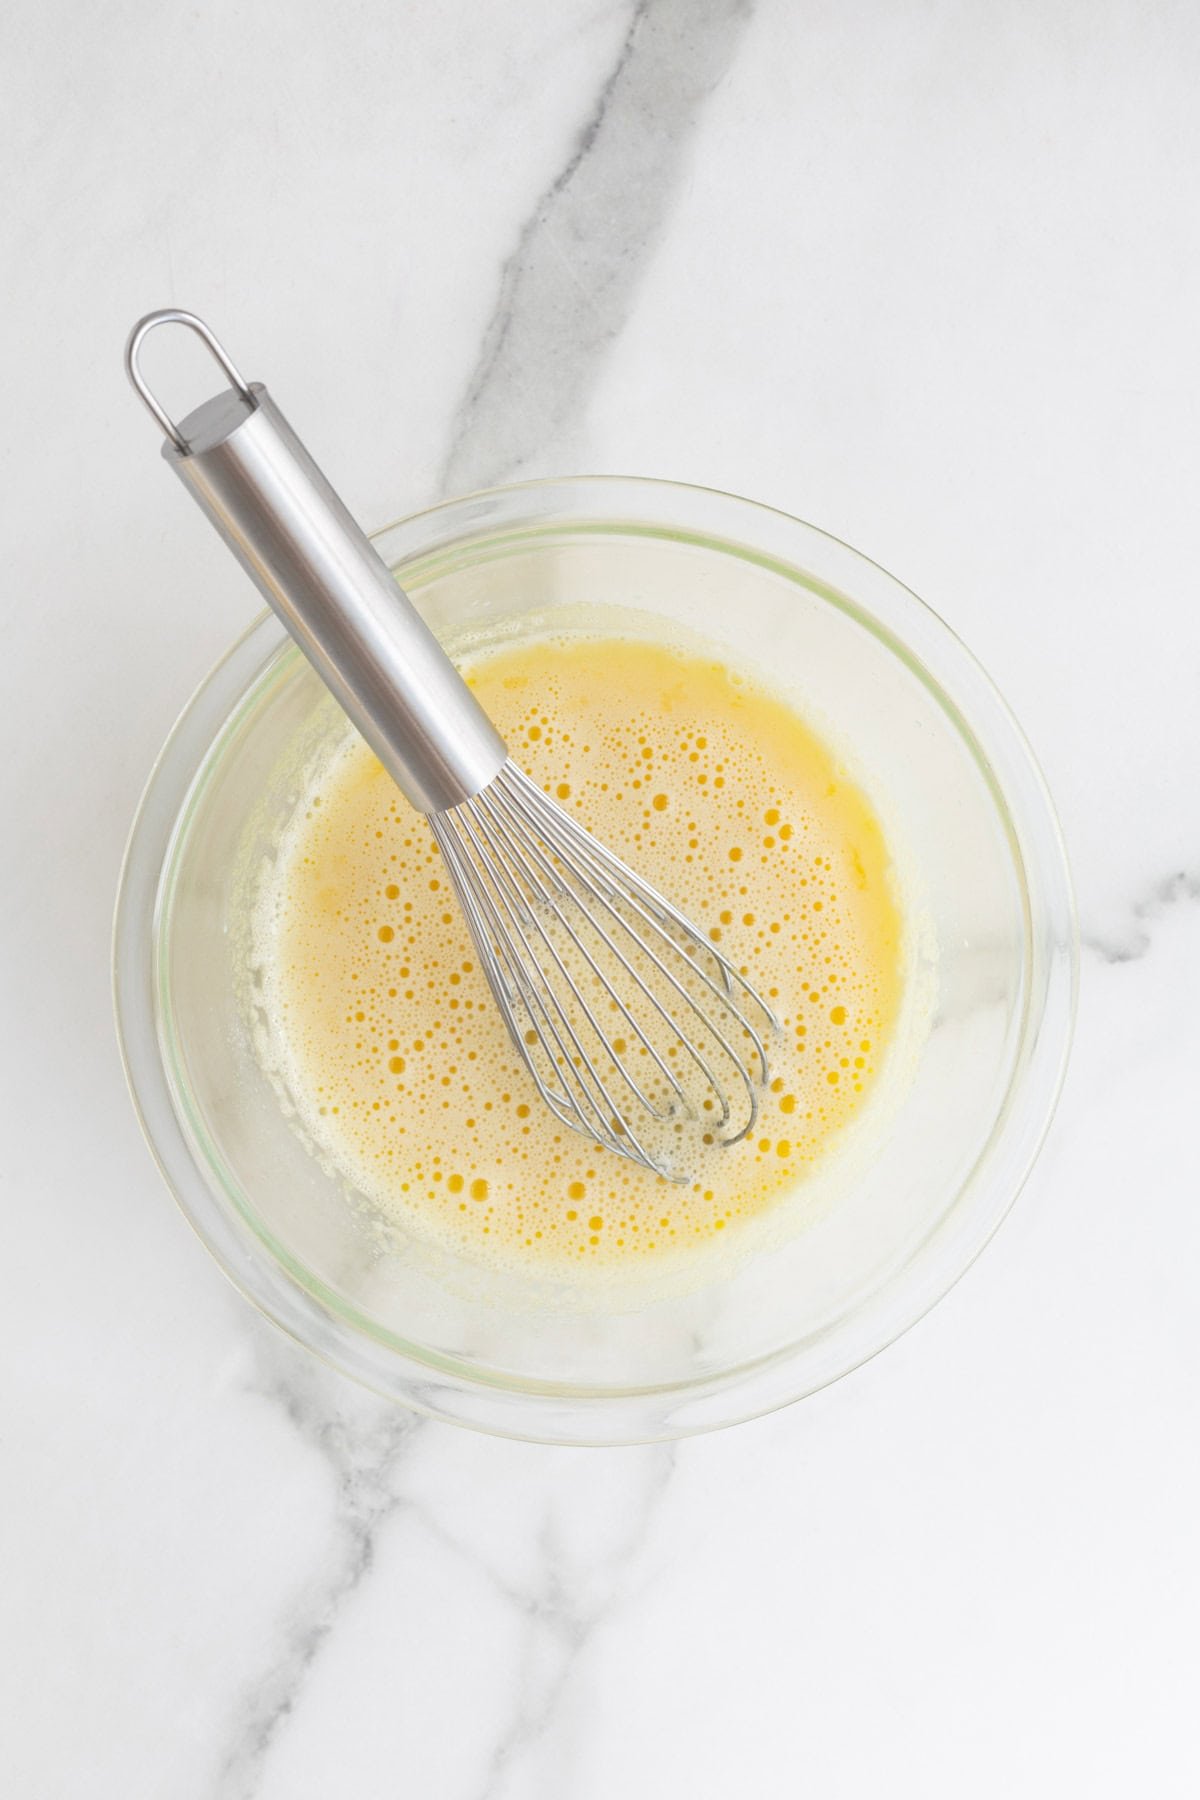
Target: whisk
[634,1027]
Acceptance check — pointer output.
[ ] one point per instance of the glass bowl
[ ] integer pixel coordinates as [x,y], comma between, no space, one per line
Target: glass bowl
[935,746]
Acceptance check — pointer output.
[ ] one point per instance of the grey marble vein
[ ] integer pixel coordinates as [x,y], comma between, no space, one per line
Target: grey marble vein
[566,289]
[1181,888]
[363,1440]
[559,1624]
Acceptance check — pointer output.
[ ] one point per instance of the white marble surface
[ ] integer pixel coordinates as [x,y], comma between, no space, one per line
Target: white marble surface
[926,272]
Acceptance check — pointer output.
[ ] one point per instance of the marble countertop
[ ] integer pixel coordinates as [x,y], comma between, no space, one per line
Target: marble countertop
[926,273]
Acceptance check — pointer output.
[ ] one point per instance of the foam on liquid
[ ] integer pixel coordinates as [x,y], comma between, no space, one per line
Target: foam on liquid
[387,1035]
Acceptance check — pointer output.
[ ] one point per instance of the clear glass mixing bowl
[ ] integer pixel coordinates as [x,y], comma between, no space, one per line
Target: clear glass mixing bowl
[959,788]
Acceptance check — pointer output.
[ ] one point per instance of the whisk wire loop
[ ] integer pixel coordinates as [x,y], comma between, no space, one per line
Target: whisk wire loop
[510,827]
[652,998]
[495,922]
[657,913]
[568,935]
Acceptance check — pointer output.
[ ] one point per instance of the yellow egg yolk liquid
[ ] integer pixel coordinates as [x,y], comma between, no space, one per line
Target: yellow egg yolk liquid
[393,1048]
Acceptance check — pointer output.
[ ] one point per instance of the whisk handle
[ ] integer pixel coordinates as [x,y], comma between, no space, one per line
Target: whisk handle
[251,475]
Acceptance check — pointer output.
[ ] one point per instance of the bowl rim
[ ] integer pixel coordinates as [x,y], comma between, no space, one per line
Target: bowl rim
[537,1412]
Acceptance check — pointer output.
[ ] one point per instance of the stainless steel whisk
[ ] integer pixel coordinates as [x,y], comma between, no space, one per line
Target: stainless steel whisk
[635,1029]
